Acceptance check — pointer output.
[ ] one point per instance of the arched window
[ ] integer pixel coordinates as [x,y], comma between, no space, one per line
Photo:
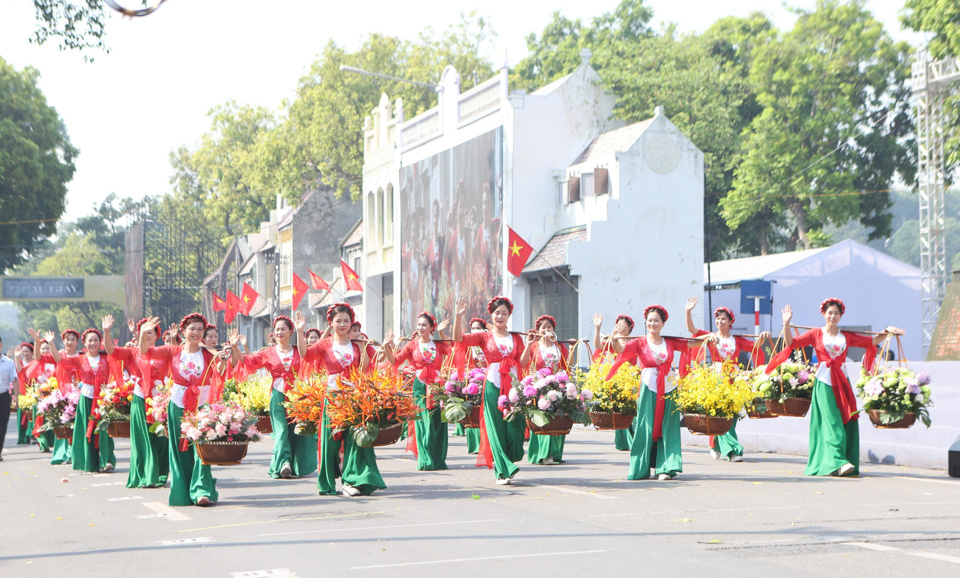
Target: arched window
[380,217]
[371,221]
[388,215]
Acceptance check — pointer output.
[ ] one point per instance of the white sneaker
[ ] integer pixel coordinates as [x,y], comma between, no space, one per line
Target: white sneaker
[549,461]
[736,458]
[351,491]
[504,481]
[845,470]
[108,468]
[285,470]
[663,477]
[715,454]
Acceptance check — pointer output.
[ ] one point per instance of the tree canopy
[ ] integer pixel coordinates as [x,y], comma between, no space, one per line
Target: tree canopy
[36,163]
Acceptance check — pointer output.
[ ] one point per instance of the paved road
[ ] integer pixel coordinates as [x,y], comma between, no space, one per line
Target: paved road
[577,518]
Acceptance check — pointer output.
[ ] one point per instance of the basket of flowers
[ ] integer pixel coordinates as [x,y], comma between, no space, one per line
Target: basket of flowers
[614,402]
[793,380]
[373,407]
[253,394]
[113,408]
[59,410]
[710,397]
[221,432]
[304,404]
[156,406]
[763,392]
[895,398]
[459,399]
[551,403]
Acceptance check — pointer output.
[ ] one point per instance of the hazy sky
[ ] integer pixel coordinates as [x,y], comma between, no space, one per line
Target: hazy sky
[128,109]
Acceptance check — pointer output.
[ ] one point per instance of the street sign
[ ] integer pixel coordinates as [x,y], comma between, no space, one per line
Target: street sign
[753,293]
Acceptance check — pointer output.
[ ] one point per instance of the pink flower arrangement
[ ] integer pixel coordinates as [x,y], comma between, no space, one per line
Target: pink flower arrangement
[544,395]
[58,409]
[220,422]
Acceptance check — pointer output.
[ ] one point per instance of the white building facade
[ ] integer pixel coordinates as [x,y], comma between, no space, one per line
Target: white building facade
[615,211]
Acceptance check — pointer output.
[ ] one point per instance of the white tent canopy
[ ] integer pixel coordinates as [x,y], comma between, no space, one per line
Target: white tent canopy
[877,289]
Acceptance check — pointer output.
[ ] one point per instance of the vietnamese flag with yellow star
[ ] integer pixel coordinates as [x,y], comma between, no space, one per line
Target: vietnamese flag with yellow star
[518,252]
[350,278]
[299,290]
[218,303]
[233,307]
[247,299]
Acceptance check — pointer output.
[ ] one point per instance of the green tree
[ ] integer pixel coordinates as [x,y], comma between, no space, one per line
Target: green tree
[835,121]
[942,18]
[36,163]
[220,172]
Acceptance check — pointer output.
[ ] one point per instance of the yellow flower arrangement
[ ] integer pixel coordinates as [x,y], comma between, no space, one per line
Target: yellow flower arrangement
[616,395]
[253,394]
[712,390]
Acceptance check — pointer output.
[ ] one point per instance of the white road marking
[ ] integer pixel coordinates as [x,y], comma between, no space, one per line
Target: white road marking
[383,527]
[108,484]
[124,498]
[935,481]
[277,573]
[696,511]
[927,555]
[150,516]
[933,556]
[168,512]
[579,492]
[452,560]
[184,541]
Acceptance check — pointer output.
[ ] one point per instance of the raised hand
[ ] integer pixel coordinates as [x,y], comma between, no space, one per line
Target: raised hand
[49,337]
[597,320]
[692,303]
[149,325]
[764,335]
[461,306]
[388,338]
[131,326]
[243,339]
[442,326]
[233,338]
[299,321]
[33,333]
[787,313]
[107,323]
[894,330]
[622,328]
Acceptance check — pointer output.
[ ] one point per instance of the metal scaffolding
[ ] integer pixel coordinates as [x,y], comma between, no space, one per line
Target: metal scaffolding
[931,86]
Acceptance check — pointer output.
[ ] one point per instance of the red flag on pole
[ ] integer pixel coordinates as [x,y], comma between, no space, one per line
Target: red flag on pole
[233,307]
[247,298]
[318,283]
[299,290]
[218,303]
[350,278]
[518,252]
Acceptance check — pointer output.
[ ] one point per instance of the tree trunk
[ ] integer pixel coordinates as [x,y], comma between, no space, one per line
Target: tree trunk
[800,213]
[792,241]
[764,242]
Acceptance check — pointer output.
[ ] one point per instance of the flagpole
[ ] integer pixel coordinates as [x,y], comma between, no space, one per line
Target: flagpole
[557,271]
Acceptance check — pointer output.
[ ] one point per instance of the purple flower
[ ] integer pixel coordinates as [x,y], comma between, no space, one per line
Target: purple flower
[472,389]
[543,404]
[544,372]
[529,391]
[450,387]
[923,378]
[528,380]
[874,387]
[913,388]
[503,402]
[562,376]
[803,376]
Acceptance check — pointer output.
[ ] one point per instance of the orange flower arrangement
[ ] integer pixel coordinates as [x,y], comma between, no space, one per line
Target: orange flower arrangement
[367,402]
[304,403]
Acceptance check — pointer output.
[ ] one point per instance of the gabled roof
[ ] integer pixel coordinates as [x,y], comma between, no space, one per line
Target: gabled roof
[355,236]
[615,141]
[554,253]
[549,88]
